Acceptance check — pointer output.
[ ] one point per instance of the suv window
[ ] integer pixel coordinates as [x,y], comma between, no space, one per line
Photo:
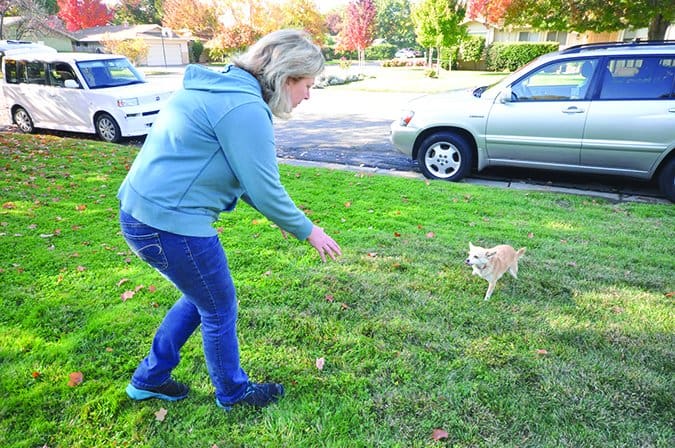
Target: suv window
[558,81]
[638,78]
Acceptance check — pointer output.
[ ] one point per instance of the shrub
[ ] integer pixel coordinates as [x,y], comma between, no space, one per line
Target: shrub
[136,50]
[380,52]
[472,49]
[345,63]
[404,63]
[449,56]
[196,50]
[510,56]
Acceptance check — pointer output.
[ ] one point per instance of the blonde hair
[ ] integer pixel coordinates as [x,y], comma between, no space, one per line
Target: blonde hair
[278,57]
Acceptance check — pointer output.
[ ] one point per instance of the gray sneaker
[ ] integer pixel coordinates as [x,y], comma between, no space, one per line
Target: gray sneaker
[169,391]
[258,395]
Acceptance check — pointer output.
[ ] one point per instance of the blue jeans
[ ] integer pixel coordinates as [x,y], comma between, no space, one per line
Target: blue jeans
[197,266]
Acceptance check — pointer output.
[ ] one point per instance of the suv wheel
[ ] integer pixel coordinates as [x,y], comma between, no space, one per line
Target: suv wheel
[107,128]
[667,179]
[446,156]
[23,120]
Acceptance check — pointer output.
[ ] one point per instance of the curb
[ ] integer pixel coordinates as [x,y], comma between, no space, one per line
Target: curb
[611,197]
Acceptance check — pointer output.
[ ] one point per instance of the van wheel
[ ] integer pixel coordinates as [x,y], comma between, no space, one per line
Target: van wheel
[446,156]
[23,120]
[107,128]
[667,179]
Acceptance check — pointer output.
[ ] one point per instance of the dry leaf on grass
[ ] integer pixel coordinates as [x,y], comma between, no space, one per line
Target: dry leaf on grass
[160,415]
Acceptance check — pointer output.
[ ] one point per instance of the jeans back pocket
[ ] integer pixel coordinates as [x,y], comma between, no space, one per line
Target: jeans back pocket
[148,247]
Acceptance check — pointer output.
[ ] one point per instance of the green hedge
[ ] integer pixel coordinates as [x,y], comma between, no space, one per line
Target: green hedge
[380,52]
[510,56]
[472,48]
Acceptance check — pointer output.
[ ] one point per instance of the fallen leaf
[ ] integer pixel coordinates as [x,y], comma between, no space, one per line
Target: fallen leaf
[122,281]
[81,268]
[530,235]
[126,295]
[397,235]
[75,378]
[542,352]
[329,298]
[9,205]
[669,294]
[348,204]
[439,434]
[160,415]
[431,235]
[80,207]
[319,363]
[152,288]
[35,375]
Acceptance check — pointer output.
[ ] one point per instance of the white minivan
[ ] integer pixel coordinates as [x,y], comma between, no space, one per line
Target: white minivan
[79,92]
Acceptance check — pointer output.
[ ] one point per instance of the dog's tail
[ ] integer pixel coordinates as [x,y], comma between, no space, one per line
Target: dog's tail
[520,252]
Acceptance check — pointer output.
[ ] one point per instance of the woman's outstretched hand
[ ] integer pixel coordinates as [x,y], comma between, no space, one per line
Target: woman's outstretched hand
[323,244]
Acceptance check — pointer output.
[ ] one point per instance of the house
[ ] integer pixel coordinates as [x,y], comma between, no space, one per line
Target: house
[164,46]
[45,33]
[492,34]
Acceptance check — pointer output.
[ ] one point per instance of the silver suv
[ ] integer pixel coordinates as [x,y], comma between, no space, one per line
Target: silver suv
[596,108]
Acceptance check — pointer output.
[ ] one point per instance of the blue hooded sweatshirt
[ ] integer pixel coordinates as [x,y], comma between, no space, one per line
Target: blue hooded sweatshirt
[212,143]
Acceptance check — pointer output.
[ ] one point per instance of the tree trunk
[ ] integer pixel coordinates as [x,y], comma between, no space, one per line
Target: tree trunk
[657,28]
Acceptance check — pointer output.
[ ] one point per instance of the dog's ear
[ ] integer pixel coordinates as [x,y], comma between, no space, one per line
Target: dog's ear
[471,246]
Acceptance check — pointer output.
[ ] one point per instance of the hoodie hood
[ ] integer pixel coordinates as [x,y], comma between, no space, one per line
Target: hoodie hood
[231,79]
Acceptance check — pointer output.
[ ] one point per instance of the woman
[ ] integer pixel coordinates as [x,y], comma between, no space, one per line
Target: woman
[212,144]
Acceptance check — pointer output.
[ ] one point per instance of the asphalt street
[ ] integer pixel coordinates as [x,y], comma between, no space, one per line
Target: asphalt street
[351,129]
[345,129]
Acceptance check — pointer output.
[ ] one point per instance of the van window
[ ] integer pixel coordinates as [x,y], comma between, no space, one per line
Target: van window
[59,72]
[11,72]
[35,73]
[25,72]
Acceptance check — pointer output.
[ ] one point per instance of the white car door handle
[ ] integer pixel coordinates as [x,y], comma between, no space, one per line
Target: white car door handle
[573,110]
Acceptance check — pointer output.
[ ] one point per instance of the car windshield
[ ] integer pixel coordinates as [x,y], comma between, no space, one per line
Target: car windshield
[102,73]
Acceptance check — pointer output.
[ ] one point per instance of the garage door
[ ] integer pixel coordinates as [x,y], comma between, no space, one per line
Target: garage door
[156,54]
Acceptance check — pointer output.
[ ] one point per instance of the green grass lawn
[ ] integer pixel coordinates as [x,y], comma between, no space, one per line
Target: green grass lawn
[578,352]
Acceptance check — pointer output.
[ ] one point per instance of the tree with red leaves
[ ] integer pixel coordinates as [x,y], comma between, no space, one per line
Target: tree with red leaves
[81,14]
[358,27]
[492,11]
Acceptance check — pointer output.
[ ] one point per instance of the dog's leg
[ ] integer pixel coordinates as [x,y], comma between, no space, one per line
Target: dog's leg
[491,287]
[513,270]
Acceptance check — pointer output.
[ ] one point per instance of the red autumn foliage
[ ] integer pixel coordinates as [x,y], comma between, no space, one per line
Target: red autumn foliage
[81,14]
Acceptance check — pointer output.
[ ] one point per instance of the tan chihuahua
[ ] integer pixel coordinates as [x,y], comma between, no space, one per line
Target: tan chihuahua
[492,263]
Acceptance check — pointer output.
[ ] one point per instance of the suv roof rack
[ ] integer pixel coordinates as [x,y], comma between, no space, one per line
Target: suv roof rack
[602,45]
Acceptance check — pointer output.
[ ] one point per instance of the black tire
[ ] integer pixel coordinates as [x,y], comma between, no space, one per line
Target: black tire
[667,179]
[107,128]
[445,156]
[23,120]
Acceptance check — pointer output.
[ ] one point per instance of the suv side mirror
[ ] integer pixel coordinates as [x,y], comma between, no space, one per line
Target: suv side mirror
[71,84]
[506,96]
